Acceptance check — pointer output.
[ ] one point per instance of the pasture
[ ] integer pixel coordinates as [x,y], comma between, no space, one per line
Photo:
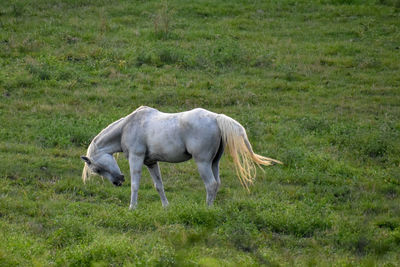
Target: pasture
[315,83]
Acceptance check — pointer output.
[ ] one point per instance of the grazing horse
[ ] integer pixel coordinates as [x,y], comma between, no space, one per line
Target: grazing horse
[147,136]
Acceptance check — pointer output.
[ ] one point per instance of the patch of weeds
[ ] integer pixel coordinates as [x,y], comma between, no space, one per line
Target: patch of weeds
[326,62]
[41,71]
[343,50]
[107,249]
[8,259]
[160,56]
[64,75]
[368,62]
[376,146]
[169,56]
[381,246]
[288,73]
[372,208]
[45,71]
[143,58]
[223,54]
[394,3]
[300,219]
[62,132]
[314,125]
[162,22]
[162,254]
[363,240]
[342,2]
[292,76]
[72,57]
[341,134]
[293,157]
[182,237]
[391,191]
[28,45]
[241,234]
[350,238]
[21,80]
[342,194]
[17,9]
[69,231]
[263,61]
[366,143]
[226,53]
[396,235]
[70,39]
[389,223]
[196,215]
[393,177]
[100,250]
[282,86]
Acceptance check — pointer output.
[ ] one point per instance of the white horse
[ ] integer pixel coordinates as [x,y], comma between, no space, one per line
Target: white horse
[147,136]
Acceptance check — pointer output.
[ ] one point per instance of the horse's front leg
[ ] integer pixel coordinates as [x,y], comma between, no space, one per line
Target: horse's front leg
[135,165]
[156,175]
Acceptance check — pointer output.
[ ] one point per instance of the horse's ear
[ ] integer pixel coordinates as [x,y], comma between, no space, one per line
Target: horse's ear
[86,159]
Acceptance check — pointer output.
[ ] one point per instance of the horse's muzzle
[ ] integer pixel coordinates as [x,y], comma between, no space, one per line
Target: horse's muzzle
[117,183]
[120,179]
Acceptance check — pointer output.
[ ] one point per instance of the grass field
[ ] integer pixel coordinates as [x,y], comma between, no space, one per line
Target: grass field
[315,83]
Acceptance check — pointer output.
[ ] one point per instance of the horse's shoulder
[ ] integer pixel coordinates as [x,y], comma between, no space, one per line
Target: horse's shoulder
[139,115]
[142,109]
[199,110]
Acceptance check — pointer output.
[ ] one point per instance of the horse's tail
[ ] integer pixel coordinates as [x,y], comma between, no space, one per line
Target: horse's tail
[239,148]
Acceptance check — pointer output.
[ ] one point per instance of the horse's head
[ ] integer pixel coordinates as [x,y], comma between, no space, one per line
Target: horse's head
[106,166]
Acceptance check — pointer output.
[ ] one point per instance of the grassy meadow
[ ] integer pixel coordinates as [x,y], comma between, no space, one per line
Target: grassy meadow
[315,83]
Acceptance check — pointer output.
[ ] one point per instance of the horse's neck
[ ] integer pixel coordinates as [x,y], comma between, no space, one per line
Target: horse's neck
[109,140]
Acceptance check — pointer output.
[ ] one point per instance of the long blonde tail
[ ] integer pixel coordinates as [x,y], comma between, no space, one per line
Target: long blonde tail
[239,148]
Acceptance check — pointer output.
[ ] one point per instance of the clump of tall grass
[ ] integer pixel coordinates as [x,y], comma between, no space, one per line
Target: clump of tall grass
[162,22]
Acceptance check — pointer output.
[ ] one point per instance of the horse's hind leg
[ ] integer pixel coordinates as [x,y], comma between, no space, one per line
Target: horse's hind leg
[206,173]
[215,165]
[156,176]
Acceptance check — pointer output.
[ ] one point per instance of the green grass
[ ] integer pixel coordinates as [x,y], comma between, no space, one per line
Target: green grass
[315,83]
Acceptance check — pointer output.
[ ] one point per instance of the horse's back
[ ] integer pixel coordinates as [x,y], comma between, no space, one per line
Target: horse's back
[193,126]
[198,121]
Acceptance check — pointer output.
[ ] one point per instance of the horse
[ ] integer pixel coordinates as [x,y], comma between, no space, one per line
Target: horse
[147,136]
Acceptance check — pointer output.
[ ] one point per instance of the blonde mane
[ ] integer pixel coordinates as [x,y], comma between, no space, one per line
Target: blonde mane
[86,173]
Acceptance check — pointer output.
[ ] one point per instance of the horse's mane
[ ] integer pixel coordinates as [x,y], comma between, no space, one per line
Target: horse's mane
[86,173]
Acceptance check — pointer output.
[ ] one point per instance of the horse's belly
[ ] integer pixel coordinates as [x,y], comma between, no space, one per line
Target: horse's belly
[176,158]
[171,150]
[168,156]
